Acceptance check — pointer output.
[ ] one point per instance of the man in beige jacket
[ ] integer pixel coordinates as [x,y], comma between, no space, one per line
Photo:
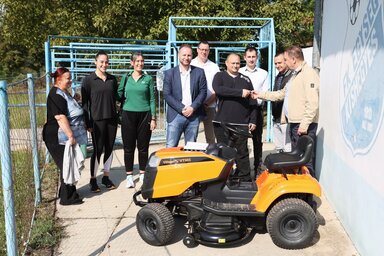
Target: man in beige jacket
[301,99]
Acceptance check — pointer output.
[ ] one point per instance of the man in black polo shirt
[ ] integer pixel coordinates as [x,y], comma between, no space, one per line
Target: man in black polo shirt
[236,108]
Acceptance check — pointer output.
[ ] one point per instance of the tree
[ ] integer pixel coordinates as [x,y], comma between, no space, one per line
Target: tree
[25,25]
[293,21]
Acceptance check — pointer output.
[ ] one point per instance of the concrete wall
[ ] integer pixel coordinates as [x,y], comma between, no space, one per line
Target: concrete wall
[350,150]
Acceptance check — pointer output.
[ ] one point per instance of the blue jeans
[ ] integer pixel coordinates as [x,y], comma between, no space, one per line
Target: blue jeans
[179,125]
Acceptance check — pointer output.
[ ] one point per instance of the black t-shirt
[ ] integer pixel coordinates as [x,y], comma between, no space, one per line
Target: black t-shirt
[56,105]
[232,108]
[98,98]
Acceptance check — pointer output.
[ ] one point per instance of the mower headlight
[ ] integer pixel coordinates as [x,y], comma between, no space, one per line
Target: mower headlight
[153,161]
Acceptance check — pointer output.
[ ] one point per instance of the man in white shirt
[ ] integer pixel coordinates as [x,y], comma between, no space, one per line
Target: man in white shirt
[260,82]
[281,136]
[210,70]
[185,89]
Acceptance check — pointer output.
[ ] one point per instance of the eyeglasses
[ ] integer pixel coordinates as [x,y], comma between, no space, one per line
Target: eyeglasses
[203,50]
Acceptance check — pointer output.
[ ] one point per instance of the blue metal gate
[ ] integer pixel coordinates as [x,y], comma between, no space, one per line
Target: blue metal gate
[77,53]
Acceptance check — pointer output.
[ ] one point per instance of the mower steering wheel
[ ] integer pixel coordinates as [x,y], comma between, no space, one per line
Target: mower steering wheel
[236,130]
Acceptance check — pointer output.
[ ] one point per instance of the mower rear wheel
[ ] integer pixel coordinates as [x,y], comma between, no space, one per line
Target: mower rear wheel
[155,224]
[292,224]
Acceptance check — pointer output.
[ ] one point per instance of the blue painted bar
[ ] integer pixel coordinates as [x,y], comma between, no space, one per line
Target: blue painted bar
[35,147]
[221,18]
[50,37]
[72,64]
[47,66]
[48,71]
[217,26]
[6,173]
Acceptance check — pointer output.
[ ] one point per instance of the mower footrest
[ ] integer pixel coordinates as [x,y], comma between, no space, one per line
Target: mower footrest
[230,208]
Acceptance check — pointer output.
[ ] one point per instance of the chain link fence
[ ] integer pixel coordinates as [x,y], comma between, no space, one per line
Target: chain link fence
[26,154]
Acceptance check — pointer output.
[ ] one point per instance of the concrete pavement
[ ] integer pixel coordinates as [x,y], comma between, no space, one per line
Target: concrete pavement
[105,225]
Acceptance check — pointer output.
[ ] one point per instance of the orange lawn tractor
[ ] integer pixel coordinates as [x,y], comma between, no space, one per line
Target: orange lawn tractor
[196,183]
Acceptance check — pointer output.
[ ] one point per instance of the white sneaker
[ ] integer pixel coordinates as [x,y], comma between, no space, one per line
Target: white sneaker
[141,178]
[130,183]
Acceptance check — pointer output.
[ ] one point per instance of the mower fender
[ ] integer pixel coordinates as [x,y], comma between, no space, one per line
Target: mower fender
[275,185]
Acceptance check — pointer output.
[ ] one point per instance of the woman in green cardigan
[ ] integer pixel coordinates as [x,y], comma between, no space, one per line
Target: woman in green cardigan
[136,91]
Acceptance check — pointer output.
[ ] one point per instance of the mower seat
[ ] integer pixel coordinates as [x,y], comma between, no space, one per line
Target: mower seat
[221,150]
[291,160]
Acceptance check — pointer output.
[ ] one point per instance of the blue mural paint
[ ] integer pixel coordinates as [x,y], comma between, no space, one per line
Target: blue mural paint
[361,103]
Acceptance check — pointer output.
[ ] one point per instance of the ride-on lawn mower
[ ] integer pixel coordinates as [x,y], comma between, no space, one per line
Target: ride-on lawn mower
[221,210]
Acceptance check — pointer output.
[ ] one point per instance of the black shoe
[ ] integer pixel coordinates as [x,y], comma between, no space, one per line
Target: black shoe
[72,202]
[93,185]
[107,183]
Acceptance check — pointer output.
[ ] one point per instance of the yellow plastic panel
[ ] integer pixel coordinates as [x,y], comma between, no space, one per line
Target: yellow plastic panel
[173,179]
[272,185]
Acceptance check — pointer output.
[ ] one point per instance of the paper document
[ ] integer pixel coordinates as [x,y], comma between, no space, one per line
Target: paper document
[196,146]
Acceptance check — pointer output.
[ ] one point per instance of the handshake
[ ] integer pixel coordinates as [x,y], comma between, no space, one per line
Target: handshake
[248,93]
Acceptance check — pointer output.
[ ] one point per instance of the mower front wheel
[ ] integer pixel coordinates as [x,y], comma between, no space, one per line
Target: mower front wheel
[155,224]
[292,224]
[189,241]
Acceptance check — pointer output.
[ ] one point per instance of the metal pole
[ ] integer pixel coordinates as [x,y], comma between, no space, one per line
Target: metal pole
[35,151]
[317,34]
[48,71]
[6,174]
[269,107]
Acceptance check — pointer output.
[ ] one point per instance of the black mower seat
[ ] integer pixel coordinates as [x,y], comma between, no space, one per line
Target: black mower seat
[221,150]
[291,160]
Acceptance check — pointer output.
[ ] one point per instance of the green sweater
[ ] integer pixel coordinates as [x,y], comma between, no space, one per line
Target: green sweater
[139,96]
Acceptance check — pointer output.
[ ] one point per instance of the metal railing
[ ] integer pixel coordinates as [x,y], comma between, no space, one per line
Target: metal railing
[77,53]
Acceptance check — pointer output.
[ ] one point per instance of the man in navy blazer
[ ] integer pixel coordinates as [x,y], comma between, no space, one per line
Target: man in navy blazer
[185,89]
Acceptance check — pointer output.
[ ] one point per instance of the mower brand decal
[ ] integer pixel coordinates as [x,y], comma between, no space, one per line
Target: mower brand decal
[184,160]
[362,90]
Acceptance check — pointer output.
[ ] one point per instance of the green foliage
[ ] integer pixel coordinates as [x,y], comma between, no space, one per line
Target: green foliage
[293,21]
[22,44]
[24,28]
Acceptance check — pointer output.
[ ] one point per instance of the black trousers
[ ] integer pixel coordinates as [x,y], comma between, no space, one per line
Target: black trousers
[241,145]
[257,135]
[311,132]
[67,193]
[103,139]
[135,131]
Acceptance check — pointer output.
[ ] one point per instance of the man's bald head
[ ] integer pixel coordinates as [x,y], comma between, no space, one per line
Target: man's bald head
[233,63]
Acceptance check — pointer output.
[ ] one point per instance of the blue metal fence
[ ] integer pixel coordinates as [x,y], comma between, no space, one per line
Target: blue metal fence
[77,53]
[19,154]
[6,173]
[261,35]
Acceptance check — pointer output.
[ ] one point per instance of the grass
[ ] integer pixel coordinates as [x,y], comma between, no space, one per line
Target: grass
[19,116]
[46,232]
